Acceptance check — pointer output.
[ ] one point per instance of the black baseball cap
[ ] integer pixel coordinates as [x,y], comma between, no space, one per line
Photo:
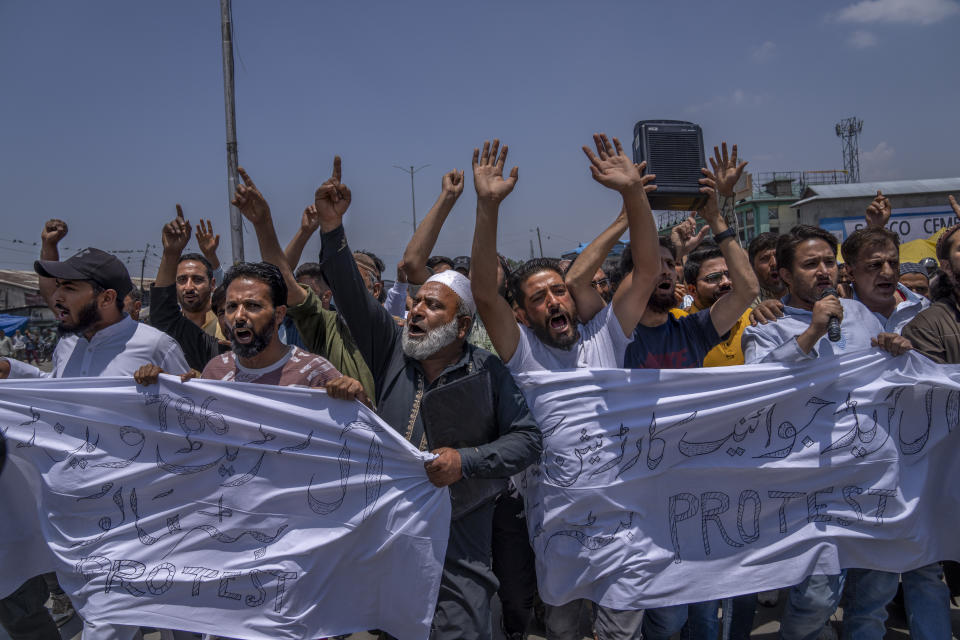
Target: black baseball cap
[90,264]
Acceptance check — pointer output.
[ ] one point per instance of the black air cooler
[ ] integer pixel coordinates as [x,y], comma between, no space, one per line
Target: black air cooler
[673,150]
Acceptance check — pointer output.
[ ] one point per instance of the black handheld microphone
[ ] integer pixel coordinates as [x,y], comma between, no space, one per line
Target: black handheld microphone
[833,325]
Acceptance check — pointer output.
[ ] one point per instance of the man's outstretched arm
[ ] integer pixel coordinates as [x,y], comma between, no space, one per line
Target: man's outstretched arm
[720,183]
[727,310]
[580,275]
[492,188]
[309,223]
[425,237]
[254,208]
[612,168]
[54,230]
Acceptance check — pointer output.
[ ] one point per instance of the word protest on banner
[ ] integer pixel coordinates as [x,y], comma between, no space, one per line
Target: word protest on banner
[241,510]
[662,487]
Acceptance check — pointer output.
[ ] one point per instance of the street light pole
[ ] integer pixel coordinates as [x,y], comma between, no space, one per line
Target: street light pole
[226,33]
[413,195]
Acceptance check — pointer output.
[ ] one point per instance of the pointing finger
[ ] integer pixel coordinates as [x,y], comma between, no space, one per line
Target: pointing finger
[336,168]
[179,212]
[246,178]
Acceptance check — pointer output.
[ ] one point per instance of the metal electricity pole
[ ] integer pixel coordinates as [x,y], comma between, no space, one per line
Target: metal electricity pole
[413,195]
[226,32]
[540,242]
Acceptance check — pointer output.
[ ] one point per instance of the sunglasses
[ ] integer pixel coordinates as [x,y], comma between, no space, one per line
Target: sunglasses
[602,282]
[717,276]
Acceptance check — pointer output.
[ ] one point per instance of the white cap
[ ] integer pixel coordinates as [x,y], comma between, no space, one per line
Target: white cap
[460,285]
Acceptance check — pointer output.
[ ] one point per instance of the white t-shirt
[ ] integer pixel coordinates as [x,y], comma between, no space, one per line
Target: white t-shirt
[117,350]
[602,345]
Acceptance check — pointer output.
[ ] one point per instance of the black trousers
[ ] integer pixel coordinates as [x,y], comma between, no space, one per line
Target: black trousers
[513,564]
[23,615]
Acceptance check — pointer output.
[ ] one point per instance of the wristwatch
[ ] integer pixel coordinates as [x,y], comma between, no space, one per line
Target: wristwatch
[723,235]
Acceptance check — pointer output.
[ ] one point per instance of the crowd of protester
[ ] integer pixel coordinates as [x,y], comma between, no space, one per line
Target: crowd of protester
[692,298]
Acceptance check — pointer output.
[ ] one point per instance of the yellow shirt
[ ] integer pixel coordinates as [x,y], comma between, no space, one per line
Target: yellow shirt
[212,327]
[729,352]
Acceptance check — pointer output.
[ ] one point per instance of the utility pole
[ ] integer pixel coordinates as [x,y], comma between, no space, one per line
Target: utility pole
[540,242]
[848,130]
[413,195]
[226,32]
[143,265]
[531,249]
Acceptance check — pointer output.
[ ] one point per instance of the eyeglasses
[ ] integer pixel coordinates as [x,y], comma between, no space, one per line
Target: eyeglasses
[715,277]
[602,282]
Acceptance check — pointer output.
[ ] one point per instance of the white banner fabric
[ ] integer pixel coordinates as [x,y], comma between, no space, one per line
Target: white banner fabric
[661,487]
[240,510]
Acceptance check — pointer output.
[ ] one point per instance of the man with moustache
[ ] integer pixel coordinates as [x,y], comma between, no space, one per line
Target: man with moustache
[762,251]
[807,260]
[416,369]
[564,324]
[180,297]
[86,294]
[253,310]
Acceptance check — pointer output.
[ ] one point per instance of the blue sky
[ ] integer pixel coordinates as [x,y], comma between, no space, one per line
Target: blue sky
[112,112]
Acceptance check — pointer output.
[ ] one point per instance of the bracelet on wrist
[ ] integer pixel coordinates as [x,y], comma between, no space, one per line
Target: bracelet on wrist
[723,235]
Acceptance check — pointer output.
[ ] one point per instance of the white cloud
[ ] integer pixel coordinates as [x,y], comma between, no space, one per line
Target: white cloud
[765,51]
[877,164]
[862,40]
[899,11]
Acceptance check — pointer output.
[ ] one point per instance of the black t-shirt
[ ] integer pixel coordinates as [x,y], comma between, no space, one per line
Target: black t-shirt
[199,347]
[676,344]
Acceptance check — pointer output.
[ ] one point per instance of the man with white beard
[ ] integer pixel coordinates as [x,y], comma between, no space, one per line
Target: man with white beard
[441,394]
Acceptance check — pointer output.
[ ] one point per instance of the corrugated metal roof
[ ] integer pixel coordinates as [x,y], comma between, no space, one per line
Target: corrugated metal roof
[23,279]
[865,189]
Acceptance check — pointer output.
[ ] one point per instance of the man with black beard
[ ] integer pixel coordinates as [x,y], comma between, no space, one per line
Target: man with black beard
[86,294]
[564,323]
[428,379]
[255,306]
[720,279]
[180,298]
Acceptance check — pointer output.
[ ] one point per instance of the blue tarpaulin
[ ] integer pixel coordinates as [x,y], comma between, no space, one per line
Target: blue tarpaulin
[9,323]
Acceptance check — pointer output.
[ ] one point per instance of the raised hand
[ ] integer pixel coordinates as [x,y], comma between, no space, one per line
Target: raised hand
[710,211]
[452,184]
[611,167]
[250,201]
[176,233]
[332,199]
[726,171]
[401,273]
[54,230]
[685,236]
[954,205]
[310,220]
[488,177]
[879,211]
[208,242]
[648,178]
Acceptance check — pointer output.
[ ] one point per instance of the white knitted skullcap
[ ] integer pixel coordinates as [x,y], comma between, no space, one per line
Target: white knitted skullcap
[460,285]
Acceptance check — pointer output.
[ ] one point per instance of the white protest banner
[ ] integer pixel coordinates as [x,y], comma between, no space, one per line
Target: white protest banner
[241,510]
[660,487]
